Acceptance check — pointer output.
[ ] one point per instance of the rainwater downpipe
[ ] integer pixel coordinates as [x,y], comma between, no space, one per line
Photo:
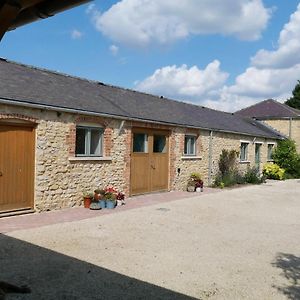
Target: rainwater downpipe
[290,128]
[210,153]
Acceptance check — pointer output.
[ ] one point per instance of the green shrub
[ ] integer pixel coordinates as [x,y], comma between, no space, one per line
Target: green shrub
[227,161]
[252,176]
[285,156]
[273,171]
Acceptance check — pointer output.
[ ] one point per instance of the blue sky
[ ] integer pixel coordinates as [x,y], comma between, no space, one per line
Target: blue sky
[225,54]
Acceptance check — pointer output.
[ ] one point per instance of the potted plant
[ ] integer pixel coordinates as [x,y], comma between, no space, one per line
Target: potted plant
[95,205]
[110,198]
[195,183]
[199,186]
[87,199]
[120,199]
[191,185]
[102,201]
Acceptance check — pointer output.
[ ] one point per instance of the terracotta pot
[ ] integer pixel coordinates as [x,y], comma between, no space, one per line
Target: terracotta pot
[87,202]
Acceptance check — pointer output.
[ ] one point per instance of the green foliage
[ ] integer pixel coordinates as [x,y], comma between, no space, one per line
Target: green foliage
[109,196]
[195,176]
[273,171]
[295,100]
[285,155]
[227,162]
[87,194]
[252,176]
[228,172]
[195,180]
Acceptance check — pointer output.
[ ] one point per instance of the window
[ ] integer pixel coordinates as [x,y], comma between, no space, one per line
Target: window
[140,142]
[159,144]
[244,152]
[190,145]
[270,151]
[88,141]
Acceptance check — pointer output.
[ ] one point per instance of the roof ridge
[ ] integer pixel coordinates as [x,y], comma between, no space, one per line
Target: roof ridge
[255,104]
[291,109]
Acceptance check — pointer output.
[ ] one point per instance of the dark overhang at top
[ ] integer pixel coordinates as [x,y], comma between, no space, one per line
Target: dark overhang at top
[16,13]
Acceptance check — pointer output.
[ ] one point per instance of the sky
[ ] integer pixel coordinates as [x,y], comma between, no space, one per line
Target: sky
[223,54]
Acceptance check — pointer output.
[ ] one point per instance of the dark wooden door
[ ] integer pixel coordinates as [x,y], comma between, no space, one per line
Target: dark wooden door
[16,167]
[149,161]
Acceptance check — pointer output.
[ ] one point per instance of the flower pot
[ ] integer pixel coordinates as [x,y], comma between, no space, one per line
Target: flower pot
[191,188]
[102,203]
[110,204]
[198,189]
[87,202]
[95,205]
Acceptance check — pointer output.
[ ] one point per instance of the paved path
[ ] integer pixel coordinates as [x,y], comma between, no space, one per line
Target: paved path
[8,224]
[236,244]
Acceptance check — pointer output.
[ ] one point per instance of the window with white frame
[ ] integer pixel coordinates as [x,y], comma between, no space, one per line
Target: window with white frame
[89,141]
[244,151]
[270,151]
[190,145]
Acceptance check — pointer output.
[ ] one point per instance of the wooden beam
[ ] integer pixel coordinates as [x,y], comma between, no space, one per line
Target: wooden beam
[8,14]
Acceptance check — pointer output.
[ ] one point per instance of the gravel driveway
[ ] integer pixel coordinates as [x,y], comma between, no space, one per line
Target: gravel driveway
[235,244]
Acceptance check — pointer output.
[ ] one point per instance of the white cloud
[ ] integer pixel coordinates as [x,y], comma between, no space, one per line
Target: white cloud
[183,82]
[141,23]
[272,74]
[76,34]
[288,52]
[114,49]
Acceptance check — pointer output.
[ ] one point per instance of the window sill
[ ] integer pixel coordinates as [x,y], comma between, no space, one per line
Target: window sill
[270,160]
[244,161]
[189,157]
[89,158]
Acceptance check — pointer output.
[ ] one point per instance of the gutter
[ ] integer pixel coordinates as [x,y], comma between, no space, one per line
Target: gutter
[118,117]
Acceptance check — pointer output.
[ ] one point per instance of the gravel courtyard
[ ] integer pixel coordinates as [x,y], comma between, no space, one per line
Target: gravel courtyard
[235,244]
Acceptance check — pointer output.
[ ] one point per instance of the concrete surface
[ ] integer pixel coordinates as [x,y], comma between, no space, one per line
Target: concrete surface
[236,244]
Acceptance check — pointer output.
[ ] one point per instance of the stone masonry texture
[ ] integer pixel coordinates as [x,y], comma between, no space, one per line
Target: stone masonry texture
[61,178]
[283,126]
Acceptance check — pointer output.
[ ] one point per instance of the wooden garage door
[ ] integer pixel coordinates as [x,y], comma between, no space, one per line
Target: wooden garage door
[16,167]
[149,161]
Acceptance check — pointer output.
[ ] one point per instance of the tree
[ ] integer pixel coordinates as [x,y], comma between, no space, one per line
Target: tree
[286,156]
[295,100]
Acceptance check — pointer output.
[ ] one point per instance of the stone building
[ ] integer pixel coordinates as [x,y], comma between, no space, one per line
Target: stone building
[281,117]
[61,135]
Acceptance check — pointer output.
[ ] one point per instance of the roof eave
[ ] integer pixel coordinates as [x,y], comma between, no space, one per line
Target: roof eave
[119,117]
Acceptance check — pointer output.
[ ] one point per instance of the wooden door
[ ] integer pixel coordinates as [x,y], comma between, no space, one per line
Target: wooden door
[149,161]
[159,168]
[16,167]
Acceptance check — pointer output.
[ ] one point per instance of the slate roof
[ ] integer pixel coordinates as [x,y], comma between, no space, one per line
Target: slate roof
[269,109]
[25,84]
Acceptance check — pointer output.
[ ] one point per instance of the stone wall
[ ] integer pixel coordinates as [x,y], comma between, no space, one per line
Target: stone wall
[200,163]
[283,126]
[61,178]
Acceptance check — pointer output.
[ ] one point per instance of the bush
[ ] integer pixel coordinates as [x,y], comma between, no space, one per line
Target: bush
[285,156]
[252,176]
[227,162]
[273,171]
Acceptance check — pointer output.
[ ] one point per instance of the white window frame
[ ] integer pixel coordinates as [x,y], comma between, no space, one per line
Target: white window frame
[273,146]
[191,151]
[88,129]
[244,159]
